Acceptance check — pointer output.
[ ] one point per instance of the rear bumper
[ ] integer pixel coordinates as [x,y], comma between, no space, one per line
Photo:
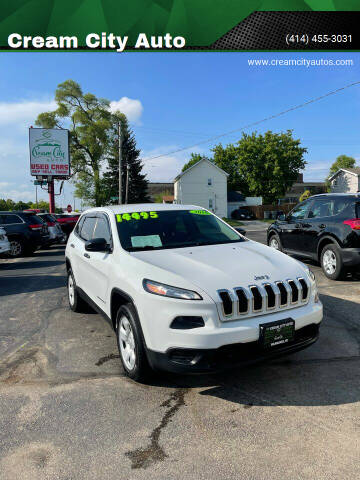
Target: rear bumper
[184,360]
[351,256]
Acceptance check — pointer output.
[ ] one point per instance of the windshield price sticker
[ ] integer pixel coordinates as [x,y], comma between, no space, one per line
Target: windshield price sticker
[120,217]
[200,212]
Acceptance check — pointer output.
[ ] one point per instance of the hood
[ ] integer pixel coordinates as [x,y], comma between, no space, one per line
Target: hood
[225,266]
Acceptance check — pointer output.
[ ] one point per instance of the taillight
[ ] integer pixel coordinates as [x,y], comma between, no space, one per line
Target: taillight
[35,227]
[354,223]
[51,224]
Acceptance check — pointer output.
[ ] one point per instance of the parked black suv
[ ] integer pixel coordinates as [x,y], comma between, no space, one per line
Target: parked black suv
[325,228]
[26,232]
[242,213]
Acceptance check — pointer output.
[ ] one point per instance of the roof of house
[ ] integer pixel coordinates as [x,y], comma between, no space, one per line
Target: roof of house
[353,171]
[233,196]
[197,163]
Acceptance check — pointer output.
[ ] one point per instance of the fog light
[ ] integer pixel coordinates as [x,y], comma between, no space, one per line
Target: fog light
[186,323]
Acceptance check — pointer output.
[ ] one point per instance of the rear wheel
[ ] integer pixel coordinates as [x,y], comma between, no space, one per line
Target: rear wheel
[331,262]
[274,242]
[76,303]
[16,248]
[131,345]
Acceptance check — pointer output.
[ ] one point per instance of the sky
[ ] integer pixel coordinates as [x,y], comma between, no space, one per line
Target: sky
[176,100]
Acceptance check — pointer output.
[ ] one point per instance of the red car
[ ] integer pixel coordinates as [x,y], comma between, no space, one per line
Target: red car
[67,222]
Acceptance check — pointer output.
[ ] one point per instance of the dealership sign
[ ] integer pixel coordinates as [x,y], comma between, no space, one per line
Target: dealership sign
[49,152]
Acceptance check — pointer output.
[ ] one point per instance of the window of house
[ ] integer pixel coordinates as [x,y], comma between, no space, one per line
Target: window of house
[209,181]
[210,203]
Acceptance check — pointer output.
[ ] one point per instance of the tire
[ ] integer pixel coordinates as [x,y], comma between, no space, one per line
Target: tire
[331,262]
[275,242]
[131,344]
[17,248]
[76,303]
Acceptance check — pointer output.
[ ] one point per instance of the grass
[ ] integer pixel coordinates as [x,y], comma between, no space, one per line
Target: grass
[267,220]
[232,222]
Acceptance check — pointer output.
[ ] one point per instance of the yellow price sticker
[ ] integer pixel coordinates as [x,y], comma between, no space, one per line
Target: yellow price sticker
[121,217]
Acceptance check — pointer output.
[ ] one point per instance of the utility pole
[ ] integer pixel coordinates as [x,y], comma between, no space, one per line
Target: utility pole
[51,190]
[120,164]
[127,183]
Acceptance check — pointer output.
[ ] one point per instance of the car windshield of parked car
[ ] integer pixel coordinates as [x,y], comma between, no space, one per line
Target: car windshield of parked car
[172,229]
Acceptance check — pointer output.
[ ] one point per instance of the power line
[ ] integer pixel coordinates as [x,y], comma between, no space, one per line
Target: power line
[301,105]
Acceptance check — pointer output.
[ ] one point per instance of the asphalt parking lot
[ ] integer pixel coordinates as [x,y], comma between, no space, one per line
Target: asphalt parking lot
[68,412]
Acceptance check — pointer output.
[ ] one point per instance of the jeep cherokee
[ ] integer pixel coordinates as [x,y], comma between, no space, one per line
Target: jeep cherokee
[185,292]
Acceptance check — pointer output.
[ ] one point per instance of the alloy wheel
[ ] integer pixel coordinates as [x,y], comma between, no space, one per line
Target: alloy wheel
[274,243]
[329,262]
[127,343]
[71,290]
[15,248]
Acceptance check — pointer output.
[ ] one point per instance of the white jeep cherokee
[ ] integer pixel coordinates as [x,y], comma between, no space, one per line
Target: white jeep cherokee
[187,293]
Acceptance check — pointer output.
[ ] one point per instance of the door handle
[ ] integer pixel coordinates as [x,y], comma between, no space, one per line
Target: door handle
[72,245]
[86,255]
[322,226]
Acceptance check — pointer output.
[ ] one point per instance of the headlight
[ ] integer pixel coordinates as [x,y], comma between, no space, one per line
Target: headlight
[168,291]
[310,273]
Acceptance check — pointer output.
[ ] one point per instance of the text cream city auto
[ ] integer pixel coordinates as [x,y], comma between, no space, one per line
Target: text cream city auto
[187,293]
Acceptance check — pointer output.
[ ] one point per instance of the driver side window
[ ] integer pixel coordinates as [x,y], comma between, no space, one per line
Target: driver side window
[299,212]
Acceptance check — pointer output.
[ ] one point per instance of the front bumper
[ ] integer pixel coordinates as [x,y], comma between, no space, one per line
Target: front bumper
[4,247]
[351,256]
[184,360]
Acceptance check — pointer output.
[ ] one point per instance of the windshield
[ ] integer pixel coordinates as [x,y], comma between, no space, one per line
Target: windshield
[172,229]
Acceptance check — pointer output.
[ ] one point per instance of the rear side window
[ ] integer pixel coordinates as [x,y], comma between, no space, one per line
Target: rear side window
[357,209]
[87,229]
[12,219]
[33,219]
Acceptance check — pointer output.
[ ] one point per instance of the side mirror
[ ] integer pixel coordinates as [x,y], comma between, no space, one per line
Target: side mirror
[240,230]
[282,217]
[97,245]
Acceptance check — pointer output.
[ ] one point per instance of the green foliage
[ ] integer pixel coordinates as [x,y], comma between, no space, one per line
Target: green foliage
[262,165]
[94,144]
[342,161]
[8,205]
[138,185]
[158,198]
[305,195]
[194,158]
[227,158]
[90,123]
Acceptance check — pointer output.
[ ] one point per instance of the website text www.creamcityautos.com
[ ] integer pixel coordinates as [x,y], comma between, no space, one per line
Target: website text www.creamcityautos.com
[301,62]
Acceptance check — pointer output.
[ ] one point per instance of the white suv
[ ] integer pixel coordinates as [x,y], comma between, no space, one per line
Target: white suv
[187,293]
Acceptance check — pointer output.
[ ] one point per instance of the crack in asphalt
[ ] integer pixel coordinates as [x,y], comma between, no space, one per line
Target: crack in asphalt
[102,360]
[146,456]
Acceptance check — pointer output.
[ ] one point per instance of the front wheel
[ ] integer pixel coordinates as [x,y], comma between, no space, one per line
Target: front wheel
[331,262]
[131,345]
[274,242]
[76,303]
[17,248]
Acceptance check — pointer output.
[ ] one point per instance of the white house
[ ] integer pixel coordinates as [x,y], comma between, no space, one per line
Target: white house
[203,184]
[345,180]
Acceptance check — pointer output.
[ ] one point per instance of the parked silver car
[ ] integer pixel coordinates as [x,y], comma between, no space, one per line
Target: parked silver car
[55,231]
[4,242]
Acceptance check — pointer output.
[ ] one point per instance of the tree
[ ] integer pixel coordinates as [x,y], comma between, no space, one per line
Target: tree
[305,195]
[342,161]
[90,123]
[194,158]
[268,164]
[138,185]
[227,158]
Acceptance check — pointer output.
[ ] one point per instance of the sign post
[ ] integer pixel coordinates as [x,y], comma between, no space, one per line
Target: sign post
[49,157]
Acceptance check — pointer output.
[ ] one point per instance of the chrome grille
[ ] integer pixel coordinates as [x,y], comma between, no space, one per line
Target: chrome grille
[265,298]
